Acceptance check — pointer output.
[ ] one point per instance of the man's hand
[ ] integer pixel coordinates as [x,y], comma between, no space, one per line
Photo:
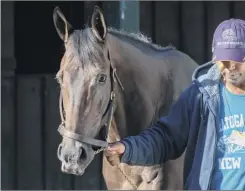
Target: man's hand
[116,148]
[113,153]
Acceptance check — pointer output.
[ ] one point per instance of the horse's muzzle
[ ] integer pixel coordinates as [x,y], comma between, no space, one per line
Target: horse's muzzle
[75,156]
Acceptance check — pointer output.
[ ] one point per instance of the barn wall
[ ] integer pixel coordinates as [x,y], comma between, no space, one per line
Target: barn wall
[30,113]
[189,25]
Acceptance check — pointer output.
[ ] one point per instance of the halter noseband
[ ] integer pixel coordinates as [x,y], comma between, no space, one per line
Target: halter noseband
[110,111]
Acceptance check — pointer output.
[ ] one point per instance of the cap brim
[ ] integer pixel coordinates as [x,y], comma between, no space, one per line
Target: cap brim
[236,55]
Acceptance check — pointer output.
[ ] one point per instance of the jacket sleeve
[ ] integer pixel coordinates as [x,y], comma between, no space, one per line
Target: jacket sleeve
[167,139]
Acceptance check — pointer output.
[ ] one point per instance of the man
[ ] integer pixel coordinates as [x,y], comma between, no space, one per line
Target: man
[208,121]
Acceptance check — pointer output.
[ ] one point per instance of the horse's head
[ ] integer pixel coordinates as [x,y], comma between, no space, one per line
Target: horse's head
[86,79]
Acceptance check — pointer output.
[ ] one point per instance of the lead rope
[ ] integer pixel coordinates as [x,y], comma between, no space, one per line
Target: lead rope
[109,126]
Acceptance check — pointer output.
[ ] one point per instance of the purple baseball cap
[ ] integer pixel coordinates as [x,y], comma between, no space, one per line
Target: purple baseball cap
[229,41]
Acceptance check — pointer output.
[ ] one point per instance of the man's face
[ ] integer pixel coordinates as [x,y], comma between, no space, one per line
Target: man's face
[234,73]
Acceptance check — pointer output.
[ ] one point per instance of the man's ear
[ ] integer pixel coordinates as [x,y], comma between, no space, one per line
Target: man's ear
[63,28]
[98,24]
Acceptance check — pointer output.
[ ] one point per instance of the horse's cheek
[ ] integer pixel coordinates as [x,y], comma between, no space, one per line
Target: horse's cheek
[100,104]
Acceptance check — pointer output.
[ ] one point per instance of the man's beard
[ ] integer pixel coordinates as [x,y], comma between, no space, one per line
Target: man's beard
[236,78]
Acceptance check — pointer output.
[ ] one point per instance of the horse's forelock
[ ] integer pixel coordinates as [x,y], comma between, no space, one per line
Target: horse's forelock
[84,47]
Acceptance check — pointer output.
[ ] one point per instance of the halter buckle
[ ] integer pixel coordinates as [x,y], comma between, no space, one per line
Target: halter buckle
[113,95]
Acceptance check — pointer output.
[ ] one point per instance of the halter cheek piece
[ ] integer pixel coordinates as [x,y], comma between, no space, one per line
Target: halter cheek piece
[110,111]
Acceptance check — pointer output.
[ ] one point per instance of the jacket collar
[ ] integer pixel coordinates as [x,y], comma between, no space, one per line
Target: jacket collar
[207,78]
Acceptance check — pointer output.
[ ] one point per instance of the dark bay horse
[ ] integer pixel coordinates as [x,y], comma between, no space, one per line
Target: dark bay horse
[118,82]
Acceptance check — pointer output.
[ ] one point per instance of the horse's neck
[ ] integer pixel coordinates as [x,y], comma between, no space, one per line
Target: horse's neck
[129,70]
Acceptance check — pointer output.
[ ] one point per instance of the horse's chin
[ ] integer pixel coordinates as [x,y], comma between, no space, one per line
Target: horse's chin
[77,170]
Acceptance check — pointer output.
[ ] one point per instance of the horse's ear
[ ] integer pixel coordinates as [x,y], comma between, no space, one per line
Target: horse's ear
[98,24]
[63,28]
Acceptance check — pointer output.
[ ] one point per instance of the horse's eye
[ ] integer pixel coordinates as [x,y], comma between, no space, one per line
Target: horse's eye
[102,78]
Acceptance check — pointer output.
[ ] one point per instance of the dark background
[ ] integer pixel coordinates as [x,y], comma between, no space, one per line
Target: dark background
[31,53]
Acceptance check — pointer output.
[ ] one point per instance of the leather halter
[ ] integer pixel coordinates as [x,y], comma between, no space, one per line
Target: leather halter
[110,111]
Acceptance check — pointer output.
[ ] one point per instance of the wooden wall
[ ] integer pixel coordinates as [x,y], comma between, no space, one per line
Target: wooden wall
[30,114]
[188,25]
[30,118]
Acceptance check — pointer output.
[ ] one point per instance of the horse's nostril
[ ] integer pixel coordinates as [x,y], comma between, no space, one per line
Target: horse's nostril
[83,154]
[66,158]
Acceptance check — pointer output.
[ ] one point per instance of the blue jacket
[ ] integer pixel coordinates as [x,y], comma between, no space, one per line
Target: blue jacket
[191,126]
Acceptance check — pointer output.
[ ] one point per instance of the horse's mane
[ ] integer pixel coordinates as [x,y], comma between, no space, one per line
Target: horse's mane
[138,37]
[83,45]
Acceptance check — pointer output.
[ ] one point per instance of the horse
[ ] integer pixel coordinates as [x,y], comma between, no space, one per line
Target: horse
[116,84]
